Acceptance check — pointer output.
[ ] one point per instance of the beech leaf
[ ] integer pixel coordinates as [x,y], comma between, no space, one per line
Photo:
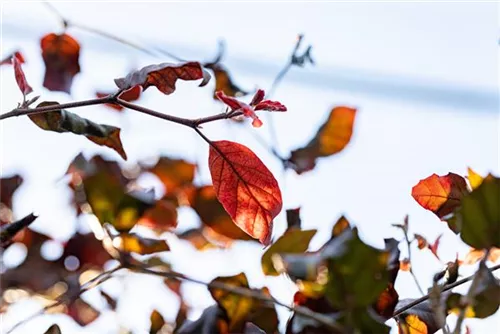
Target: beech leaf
[61,55]
[64,121]
[164,76]
[331,138]
[246,188]
[440,194]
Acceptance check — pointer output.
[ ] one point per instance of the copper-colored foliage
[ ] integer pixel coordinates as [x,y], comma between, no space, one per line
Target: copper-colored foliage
[224,82]
[173,173]
[164,76]
[387,301]
[246,188]
[130,95]
[331,138]
[61,57]
[440,194]
[161,217]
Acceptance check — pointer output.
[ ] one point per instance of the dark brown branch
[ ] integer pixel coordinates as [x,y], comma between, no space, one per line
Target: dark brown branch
[445,288]
[7,232]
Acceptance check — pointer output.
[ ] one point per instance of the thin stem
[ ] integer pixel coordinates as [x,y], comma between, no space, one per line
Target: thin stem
[408,244]
[246,292]
[445,288]
[65,297]
[144,110]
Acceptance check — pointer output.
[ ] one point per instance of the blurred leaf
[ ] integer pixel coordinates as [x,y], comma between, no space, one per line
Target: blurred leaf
[224,82]
[240,309]
[245,187]
[82,312]
[173,173]
[475,179]
[331,138]
[440,194]
[340,226]
[157,322]
[8,185]
[252,329]
[7,60]
[87,249]
[54,329]
[485,292]
[161,217]
[387,301]
[212,214]
[130,95]
[22,83]
[293,241]
[112,302]
[405,264]
[479,215]
[212,321]
[419,319]
[60,54]
[164,76]
[65,121]
[196,237]
[132,243]
[411,324]
[474,255]
[293,218]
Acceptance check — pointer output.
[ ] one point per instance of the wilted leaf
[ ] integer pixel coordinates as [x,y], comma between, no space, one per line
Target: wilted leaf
[245,187]
[479,215]
[157,322]
[54,329]
[440,194]
[22,83]
[331,138]
[164,76]
[7,60]
[292,242]
[240,309]
[173,173]
[130,95]
[293,218]
[212,321]
[65,121]
[133,243]
[61,55]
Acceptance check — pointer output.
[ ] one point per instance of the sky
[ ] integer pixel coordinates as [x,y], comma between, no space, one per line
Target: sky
[424,77]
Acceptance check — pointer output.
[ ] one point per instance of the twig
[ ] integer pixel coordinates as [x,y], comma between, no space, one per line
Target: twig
[445,288]
[65,297]
[246,292]
[7,232]
[408,244]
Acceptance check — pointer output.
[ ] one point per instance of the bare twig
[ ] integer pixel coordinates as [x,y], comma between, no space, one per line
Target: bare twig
[445,288]
[246,292]
[408,244]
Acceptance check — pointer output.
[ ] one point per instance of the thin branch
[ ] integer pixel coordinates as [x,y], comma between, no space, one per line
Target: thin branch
[408,244]
[445,288]
[66,297]
[246,292]
[9,231]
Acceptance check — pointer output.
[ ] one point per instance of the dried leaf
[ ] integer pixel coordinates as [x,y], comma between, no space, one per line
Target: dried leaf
[479,215]
[164,76]
[331,138]
[61,57]
[246,188]
[22,83]
[440,194]
[64,121]
[294,241]
[130,95]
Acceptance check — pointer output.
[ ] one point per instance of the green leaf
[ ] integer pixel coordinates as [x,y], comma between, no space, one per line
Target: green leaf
[479,215]
[293,241]
[64,121]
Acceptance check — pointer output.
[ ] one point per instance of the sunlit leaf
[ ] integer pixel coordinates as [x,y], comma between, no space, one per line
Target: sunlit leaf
[246,188]
[197,239]
[405,264]
[475,179]
[60,54]
[173,173]
[164,76]
[293,241]
[440,194]
[161,217]
[474,255]
[479,215]
[157,322]
[224,82]
[133,243]
[419,319]
[411,324]
[331,138]
[65,121]
[340,226]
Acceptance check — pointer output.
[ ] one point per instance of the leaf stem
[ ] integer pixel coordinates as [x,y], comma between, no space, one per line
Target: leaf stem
[408,244]
[445,288]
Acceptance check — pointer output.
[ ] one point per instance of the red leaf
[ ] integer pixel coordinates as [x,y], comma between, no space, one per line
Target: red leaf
[434,246]
[245,187]
[440,194]
[22,83]
[60,54]
[270,106]
[133,94]
[8,59]
[258,97]
[164,76]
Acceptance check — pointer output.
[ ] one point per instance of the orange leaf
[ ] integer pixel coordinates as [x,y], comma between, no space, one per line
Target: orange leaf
[173,173]
[162,217]
[60,54]
[386,301]
[223,82]
[412,324]
[422,242]
[405,265]
[440,194]
[475,255]
[246,188]
[164,76]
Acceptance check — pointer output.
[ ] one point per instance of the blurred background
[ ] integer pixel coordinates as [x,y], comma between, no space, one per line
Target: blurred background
[424,77]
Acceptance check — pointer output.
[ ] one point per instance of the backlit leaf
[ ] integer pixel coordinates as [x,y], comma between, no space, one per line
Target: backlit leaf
[479,215]
[65,121]
[133,243]
[419,319]
[130,95]
[331,138]
[161,217]
[246,188]
[173,173]
[157,322]
[7,60]
[22,83]
[340,226]
[60,54]
[411,324]
[197,239]
[405,264]
[440,194]
[224,82]
[164,76]
[475,179]
[293,241]
[387,301]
